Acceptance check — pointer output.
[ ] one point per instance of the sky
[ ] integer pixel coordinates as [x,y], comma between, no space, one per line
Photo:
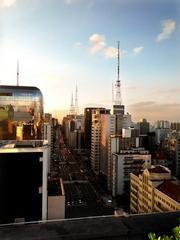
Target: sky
[61,43]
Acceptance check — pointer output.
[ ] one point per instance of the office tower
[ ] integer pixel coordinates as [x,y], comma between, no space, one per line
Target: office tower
[73,127]
[88,125]
[127,140]
[124,163]
[175,126]
[162,124]
[162,130]
[21,112]
[23,181]
[96,141]
[108,127]
[154,190]
[103,124]
[143,127]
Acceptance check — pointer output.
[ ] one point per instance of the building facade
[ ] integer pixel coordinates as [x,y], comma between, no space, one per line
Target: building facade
[88,125]
[23,181]
[21,113]
[124,163]
[154,190]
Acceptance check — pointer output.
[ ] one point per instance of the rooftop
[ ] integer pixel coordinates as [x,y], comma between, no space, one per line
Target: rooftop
[134,227]
[14,87]
[171,189]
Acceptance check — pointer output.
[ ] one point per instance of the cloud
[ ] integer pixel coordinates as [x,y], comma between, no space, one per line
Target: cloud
[110,52]
[7,3]
[97,42]
[168,26]
[137,50]
[155,111]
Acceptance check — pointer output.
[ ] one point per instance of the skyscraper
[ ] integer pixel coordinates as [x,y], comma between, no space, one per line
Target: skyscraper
[88,125]
[21,113]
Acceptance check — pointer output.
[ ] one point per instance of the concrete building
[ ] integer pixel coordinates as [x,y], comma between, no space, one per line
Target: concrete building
[125,141]
[143,127]
[74,131]
[21,113]
[154,190]
[96,141]
[23,181]
[108,128]
[124,163]
[175,126]
[88,125]
[56,199]
[103,125]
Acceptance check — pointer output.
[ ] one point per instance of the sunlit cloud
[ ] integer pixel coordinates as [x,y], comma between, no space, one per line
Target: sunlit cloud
[110,52]
[153,110]
[7,3]
[168,26]
[97,42]
[137,50]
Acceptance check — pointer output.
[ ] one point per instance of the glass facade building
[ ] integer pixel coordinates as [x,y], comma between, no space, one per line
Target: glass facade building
[21,113]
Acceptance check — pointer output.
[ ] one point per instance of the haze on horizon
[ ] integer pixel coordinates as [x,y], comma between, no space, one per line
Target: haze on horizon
[61,42]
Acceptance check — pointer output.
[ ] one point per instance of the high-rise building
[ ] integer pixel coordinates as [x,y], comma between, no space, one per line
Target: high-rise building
[154,190]
[103,124]
[21,113]
[143,127]
[23,181]
[124,163]
[88,125]
[108,128]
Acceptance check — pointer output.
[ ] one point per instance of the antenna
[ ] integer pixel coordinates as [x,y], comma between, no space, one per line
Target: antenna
[76,101]
[72,110]
[17,72]
[118,61]
[117,99]
[112,92]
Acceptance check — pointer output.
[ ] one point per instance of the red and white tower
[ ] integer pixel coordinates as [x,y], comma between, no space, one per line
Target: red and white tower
[118,108]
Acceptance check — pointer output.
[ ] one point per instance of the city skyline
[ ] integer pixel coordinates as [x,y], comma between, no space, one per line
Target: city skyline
[59,43]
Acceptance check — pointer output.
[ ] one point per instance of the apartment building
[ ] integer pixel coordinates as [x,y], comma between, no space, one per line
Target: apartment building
[154,190]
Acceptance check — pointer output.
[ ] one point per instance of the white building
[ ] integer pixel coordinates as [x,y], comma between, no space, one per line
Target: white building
[124,163]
